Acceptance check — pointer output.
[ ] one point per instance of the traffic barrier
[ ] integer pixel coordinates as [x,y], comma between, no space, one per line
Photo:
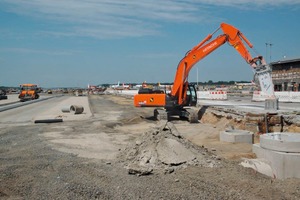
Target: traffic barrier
[128,92]
[282,96]
[212,95]
[203,95]
[218,95]
[258,96]
[295,96]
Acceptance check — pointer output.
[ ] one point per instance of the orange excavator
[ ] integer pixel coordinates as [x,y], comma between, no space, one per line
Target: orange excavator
[184,95]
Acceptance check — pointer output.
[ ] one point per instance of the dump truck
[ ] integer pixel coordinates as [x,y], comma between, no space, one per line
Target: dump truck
[28,92]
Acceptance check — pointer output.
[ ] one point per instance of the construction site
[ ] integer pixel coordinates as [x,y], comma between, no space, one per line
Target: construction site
[154,142]
[113,150]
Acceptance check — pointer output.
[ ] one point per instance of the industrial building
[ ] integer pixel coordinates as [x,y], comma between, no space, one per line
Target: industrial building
[286,75]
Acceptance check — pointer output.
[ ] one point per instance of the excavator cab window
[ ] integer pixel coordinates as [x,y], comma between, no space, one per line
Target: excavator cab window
[191,95]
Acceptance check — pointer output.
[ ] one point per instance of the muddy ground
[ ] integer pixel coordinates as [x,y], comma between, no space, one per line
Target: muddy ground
[120,153]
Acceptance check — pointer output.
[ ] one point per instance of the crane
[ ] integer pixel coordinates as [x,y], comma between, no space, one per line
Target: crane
[184,94]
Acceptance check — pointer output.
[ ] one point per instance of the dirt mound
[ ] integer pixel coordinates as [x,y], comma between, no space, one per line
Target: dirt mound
[163,150]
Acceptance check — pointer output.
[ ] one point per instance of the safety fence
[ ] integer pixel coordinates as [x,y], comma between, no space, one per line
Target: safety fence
[212,95]
[282,96]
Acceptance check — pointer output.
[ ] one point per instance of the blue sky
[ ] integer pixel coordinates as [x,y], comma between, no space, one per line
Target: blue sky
[72,43]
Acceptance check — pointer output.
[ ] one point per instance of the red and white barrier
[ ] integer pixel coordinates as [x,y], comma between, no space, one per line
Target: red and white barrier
[212,95]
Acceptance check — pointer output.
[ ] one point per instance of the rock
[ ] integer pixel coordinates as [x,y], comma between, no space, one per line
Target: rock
[139,170]
[172,152]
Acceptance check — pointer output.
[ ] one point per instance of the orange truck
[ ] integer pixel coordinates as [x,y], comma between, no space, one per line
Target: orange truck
[28,92]
[184,95]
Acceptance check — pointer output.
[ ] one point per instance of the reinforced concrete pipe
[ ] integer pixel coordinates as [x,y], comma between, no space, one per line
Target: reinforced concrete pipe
[75,109]
[65,109]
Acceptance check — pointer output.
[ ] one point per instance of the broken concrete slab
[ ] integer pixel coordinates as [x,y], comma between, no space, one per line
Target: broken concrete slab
[259,165]
[171,152]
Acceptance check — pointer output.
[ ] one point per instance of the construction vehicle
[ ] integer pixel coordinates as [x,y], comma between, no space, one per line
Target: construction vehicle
[3,94]
[183,96]
[29,92]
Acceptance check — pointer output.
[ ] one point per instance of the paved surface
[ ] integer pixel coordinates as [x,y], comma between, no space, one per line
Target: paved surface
[46,109]
[11,98]
[56,110]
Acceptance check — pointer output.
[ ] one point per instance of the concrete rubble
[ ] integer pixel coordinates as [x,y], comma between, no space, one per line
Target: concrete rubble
[163,150]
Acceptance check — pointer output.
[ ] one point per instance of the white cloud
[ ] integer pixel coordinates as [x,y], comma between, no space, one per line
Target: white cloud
[122,18]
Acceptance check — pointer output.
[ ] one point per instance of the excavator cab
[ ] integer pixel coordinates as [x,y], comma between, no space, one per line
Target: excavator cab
[191,95]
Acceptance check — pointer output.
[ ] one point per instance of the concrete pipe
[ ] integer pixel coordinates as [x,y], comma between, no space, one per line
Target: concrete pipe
[281,141]
[48,121]
[65,109]
[237,136]
[75,109]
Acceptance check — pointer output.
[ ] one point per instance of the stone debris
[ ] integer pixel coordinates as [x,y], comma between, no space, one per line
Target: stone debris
[163,150]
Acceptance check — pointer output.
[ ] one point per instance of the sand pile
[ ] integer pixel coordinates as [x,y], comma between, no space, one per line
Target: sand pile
[163,150]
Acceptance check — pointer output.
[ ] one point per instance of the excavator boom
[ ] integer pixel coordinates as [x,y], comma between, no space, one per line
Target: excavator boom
[230,35]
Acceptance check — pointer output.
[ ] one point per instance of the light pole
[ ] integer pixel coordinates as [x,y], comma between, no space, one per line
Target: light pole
[269,44]
[267,51]
[197,77]
[271,51]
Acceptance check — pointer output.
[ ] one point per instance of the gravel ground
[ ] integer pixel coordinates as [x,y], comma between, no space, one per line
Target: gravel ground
[34,165]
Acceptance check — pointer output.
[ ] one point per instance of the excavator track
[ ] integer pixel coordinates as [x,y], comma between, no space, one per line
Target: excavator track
[193,116]
[161,114]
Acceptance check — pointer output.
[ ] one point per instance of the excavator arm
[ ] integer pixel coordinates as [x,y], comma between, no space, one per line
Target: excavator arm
[230,35]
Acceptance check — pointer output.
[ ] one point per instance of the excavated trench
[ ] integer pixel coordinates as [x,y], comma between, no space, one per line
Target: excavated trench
[258,123]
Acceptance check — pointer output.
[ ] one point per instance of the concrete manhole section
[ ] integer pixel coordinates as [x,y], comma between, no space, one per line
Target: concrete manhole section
[283,142]
[236,136]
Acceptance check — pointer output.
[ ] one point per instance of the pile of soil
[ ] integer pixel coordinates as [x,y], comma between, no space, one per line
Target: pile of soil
[163,150]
